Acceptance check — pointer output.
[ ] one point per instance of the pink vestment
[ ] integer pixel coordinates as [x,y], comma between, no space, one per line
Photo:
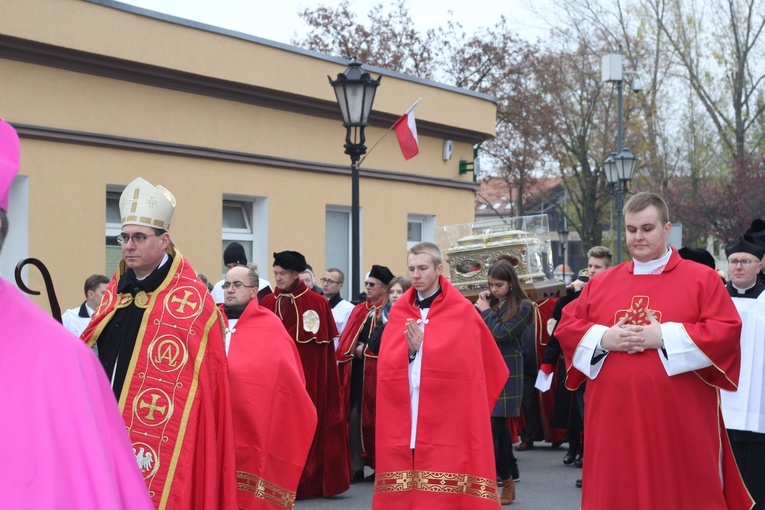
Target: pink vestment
[63,439]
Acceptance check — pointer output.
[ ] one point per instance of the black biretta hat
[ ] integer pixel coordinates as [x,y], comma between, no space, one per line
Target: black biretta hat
[382,273]
[745,244]
[290,260]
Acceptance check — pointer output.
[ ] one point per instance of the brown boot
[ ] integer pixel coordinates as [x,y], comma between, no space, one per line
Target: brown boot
[508,491]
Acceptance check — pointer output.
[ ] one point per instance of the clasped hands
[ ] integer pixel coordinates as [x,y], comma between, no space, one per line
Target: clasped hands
[632,338]
[413,335]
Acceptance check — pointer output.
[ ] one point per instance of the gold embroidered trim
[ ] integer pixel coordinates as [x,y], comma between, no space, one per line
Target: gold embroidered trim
[265,490]
[434,481]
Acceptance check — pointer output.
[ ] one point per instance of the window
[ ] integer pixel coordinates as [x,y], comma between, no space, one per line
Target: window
[420,228]
[113,229]
[337,243]
[245,221]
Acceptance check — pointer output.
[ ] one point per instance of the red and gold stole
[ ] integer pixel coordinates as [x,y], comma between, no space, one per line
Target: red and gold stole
[162,380]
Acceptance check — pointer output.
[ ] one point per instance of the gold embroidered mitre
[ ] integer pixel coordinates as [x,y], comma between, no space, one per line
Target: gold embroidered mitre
[142,203]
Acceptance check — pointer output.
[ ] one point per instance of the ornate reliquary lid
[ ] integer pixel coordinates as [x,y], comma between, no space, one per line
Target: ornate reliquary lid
[471,256]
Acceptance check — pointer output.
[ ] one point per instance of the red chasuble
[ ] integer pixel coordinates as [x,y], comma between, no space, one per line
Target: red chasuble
[309,322]
[175,401]
[347,345]
[452,466]
[274,418]
[656,441]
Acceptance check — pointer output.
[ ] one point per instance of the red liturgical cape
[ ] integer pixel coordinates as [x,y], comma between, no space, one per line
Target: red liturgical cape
[274,418]
[175,401]
[452,466]
[308,319]
[348,341]
[653,440]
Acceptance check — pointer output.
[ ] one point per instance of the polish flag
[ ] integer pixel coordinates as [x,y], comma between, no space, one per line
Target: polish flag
[406,132]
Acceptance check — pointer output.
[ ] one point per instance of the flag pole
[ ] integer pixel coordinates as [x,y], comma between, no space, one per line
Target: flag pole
[388,131]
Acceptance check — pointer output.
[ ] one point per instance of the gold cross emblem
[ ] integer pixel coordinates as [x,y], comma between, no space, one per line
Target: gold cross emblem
[152,406]
[184,302]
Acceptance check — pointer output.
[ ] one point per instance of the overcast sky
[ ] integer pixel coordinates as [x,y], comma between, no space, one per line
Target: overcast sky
[278,20]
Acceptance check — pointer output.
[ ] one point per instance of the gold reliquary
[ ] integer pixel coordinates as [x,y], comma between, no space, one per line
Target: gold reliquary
[523,241]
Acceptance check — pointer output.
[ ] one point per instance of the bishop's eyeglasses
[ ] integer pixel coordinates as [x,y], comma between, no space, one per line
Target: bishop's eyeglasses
[237,285]
[138,239]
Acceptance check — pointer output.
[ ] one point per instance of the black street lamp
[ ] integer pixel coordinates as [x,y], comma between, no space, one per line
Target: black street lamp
[619,166]
[618,169]
[355,92]
[563,239]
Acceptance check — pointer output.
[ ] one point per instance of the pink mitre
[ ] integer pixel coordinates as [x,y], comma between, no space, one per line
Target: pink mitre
[9,161]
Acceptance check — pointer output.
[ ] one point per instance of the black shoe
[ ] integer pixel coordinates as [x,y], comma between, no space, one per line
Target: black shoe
[578,461]
[569,458]
[358,476]
[369,478]
[556,444]
[579,483]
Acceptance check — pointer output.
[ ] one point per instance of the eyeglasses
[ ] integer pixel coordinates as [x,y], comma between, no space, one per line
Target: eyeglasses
[237,285]
[328,281]
[138,239]
[743,262]
[369,284]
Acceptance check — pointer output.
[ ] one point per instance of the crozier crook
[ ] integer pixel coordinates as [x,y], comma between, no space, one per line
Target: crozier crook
[55,309]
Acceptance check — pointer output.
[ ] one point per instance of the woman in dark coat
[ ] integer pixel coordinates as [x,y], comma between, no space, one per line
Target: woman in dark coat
[507,312]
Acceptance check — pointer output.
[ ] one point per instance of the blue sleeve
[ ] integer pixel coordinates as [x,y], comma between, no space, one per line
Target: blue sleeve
[510,332]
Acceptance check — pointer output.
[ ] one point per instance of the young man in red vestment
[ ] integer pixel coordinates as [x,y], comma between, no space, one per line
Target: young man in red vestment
[351,359]
[309,322]
[274,418]
[658,337]
[439,374]
[160,340]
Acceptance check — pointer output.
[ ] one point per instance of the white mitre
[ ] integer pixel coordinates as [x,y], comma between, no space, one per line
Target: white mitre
[142,203]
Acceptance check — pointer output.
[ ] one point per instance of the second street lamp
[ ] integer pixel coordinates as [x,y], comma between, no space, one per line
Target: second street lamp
[618,169]
[355,91]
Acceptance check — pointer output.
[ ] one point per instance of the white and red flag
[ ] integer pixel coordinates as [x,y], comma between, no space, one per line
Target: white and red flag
[406,132]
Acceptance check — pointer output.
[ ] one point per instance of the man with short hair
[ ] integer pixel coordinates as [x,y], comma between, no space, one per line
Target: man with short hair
[308,319]
[657,337]
[744,409]
[77,319]
[331,283]
[160,341]
[440,373]
[63,437]
[351,359]
[274,417]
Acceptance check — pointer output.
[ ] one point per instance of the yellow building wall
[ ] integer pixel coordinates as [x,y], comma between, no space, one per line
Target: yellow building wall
[68,182]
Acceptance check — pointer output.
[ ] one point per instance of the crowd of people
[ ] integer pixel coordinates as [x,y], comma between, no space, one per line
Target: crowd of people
[248,397]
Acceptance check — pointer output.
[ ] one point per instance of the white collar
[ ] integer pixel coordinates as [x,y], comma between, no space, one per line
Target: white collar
[655,266]
[743,291]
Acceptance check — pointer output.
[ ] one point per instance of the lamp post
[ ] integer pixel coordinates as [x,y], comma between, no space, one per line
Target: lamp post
[619,166]
[563,238]
[355,92]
